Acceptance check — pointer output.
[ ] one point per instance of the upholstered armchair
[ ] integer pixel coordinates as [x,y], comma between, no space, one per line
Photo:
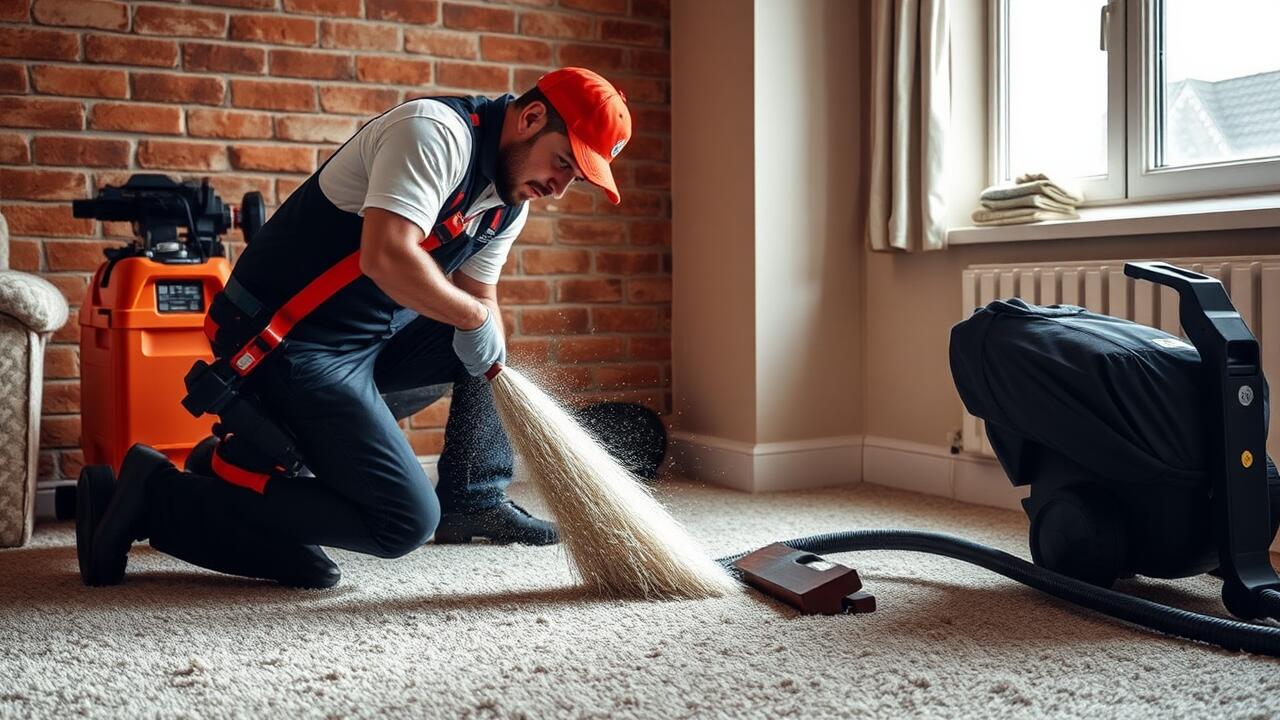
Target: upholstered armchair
[30,310]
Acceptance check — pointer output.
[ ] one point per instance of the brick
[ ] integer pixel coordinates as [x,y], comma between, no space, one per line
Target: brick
[612,7]
[523,291]
[74,288]
[653,176]
[651,120]
[228,124]
[232,188]
[657,9]
[434,415]
[575,201]
[642,89]
[553,261]
[591,232]
[126,50]
[649,348]
[249,4]
[13,78]
[15,10]
[494,78]
[272,158]
[42,184]
[590,349]
[60,431]
[158,20]
[340,8]
[44,221]
[46,465]
[426,442]
[273,29]
[657,232]
[524,352]
[312,65]
[525,78]
[624,319]
[79,81]
[83,255]
[393,70]
[627,263]
[601,58]
[13,150]
[358,36]
[556,25]
[649,290]
[636,203]
[558,321]
[70,462]
[478,17]
[355,100]
[32,44]
[627,376]
[68,333]
[496,48]
[82,13]
[32,113]
[285,187]
[174,155]
[629,32]
[413,12]
[464,46]
[23,254]
[537,231]
[315,128]
[180,89]
[651,62]
[134,117]
[80,151]
[117,228]
[588,291]
[60,397]
[267,95]
[646,147]
[217,58]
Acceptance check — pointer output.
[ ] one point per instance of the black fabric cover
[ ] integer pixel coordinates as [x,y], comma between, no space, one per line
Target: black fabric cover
[1124,400]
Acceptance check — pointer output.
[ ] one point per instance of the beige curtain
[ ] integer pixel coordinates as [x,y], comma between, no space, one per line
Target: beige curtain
[910,113]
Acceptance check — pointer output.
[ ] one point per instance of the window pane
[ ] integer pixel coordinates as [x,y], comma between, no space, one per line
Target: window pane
[1057,89]
[1221,81]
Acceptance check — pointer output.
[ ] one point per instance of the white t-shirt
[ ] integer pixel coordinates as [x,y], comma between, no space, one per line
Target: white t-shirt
[408,161]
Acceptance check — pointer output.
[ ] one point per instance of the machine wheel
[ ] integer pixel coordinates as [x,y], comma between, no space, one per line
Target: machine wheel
[253,213]
[1076,531]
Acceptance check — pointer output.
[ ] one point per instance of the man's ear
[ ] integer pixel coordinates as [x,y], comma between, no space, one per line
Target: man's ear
[533,117]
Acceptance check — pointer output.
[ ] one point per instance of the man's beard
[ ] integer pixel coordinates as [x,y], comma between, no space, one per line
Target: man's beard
[511,161]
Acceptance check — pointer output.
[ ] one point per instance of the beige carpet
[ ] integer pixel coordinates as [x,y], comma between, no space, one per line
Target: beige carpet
[481,632]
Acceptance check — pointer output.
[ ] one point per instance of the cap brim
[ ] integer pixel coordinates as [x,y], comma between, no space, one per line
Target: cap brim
[595,169]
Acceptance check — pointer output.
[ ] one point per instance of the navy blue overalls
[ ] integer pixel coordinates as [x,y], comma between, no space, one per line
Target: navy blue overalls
[325,384]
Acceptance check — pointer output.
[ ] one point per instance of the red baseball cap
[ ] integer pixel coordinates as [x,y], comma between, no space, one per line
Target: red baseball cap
[596,116]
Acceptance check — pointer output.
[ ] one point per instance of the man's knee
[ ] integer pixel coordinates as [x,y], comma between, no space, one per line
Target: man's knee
[409,526]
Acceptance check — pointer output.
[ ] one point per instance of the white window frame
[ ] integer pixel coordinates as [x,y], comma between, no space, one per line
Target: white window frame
[1128,27]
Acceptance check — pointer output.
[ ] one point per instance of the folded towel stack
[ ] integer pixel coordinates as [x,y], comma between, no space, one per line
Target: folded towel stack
[1033,198]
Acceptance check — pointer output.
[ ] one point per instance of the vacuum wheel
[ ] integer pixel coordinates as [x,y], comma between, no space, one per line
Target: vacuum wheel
[93,492]
[1077,532]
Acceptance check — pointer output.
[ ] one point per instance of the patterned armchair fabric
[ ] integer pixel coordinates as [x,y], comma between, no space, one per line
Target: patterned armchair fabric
[31,309]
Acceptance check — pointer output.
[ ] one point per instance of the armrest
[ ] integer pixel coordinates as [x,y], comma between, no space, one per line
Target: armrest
[34,301]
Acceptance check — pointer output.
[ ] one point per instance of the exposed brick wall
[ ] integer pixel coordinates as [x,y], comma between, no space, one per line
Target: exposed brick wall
[254,94]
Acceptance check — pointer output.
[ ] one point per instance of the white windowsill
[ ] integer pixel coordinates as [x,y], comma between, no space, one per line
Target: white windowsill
[1170,216]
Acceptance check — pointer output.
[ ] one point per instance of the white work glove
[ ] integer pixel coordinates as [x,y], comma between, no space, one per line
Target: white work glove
[480,348]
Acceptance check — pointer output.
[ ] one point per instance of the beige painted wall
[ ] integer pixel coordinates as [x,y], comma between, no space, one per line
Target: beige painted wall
[713,292]
[765,185]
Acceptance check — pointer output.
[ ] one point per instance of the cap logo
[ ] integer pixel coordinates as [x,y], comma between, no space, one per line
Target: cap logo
[617,148]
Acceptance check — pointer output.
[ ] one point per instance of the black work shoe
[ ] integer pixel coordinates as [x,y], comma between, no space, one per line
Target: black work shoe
[501,524]
[110,514]
[311,569]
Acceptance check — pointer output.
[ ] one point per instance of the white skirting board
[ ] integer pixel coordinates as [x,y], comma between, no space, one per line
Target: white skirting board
[767,467]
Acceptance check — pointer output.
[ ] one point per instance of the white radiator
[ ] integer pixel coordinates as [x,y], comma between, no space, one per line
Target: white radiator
[1101,286]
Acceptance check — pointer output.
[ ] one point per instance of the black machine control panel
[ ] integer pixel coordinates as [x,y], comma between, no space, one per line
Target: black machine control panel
[177,296]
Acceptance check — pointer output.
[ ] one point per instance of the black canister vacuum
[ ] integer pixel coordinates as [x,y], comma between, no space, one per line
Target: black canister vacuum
[1145,455]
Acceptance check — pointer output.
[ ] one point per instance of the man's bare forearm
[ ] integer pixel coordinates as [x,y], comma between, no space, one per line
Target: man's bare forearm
[413,279]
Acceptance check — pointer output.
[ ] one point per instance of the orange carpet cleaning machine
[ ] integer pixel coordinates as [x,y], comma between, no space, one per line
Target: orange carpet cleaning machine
[141,323]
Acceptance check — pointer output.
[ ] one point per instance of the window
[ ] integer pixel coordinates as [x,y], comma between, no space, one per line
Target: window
[1138,99]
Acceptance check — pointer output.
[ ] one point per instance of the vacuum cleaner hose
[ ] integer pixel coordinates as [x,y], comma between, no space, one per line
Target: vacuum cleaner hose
[1229,634]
